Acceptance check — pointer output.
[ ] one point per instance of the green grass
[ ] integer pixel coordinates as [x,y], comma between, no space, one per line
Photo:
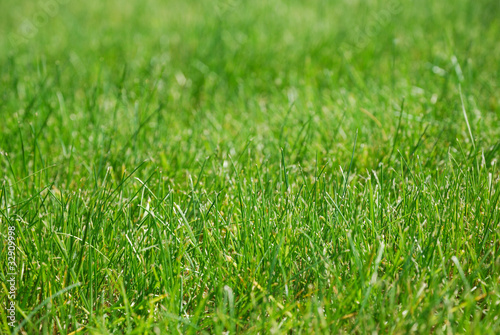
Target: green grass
[251,166]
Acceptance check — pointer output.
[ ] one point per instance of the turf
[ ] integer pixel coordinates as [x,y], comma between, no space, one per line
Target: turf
[251,166]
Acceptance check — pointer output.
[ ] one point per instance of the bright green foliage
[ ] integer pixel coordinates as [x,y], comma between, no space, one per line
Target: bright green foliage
[299,167]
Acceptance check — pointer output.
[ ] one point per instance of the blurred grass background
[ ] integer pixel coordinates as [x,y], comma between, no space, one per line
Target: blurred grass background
[238,65]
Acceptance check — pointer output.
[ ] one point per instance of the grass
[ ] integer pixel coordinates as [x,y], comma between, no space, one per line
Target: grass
[251,166]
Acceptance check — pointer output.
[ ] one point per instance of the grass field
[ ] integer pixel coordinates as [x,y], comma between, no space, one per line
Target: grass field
[260,167]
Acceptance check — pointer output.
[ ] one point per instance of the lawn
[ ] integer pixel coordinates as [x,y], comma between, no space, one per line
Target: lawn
[255,167]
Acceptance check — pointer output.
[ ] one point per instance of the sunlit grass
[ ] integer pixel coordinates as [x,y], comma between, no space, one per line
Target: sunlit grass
[251,167]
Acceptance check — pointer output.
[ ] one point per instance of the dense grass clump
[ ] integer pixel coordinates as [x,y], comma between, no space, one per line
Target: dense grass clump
[250,166]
